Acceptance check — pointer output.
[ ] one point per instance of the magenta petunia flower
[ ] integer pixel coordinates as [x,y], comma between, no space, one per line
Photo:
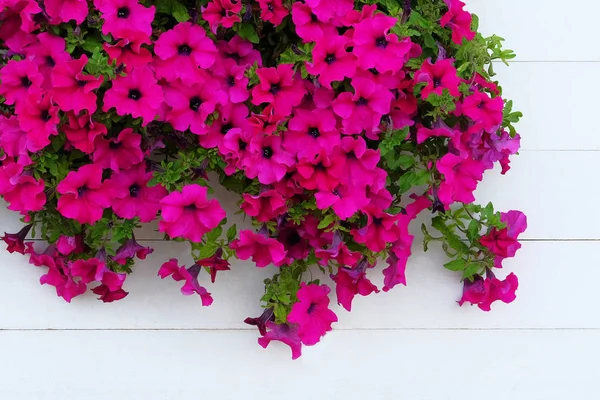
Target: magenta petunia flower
[331,61]
[73,90]
[215,263]
[294,244]
[439,76]
[19,16]
[232,121]
[308,26]
[382,228]
[47,52]
[261,322]
[272,11]
[89,270]
[485,110]
[67,245]
[283,333]
[189,275]
[461,176]
[264,207]
[10,173]
[137,94]
[61,11]
[262,249]
[125,19]
[268,160]
[345,200]
[362,111]
[484,292]
[322,171]
[84,195]
[239,50]
[279,87]
[311,313]
[15,242]
[233,81]
[130,249]
[361,162]
[15,142]
[325,10]
[132,195]
[182,50]
[38,116]
[129,53]
[119,153]
[309,131]
[375,47]
[191,104]
[339,253]
[350,282]
[189,214]
[27,195]
[504,242]
[222,13]
[19,80]
[82,132]
[58,274]
[458,20]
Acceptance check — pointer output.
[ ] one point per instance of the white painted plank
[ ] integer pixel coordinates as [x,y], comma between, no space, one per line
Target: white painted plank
[542,30]
[419,365]
[547,298]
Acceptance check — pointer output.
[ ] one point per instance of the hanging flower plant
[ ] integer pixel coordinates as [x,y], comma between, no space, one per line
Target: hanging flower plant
[336,122]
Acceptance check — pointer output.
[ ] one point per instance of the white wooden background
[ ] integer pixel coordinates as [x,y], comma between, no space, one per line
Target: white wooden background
[412,343]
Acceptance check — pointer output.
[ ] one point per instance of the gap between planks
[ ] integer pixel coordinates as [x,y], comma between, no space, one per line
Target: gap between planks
[254,329]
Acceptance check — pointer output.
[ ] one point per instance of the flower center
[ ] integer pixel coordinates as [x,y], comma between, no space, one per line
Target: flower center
[123,12]
[314,132]
[226,128]
[311,308]
[271,8]
[377,221]
[114,145]
[134,94]
[25,81]
[480,106]
[381,41]
[230,81]
[437,82]
[81,191]
[267,152]
[134,190]
[81,83]
[242,145]
[330,59]
[190,207]
[275,88]
[50,61]
[362,102]
[294,239]
[184,50]
[195,103]
[313,18]
[45,115]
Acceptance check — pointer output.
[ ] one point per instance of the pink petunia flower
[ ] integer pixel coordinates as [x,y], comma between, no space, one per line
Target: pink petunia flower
[375,47]
[189,214]
[483,292]
[215,263]
[461,176]
[261,322]
[137,94]
[268,160]
[272,11]
[438,76]
[309,131]
[119,153]
[308,26]
[345,200]
[323,171]
[27,195]
[362,111]
[10,173]
[239,50]
[233,81]
[331,60]
[182,50]
[84,195]
[129,53]
[191,104]
[67,245]
[19,80]
[381,229]
[283,333]
[47,52]
[294,244]
[222,13]
[15,142]
[361,162]
[72,90]
[132,195]
[38,116]
[504,242]
[15,242]
[279,87]
[485,110]
[350,282]
[458,20]
[232,121]
[337,252]
[61,11]
[189,275]
[311,313]
[125,19]
[130,249]
[264,207]
[58,274]
[325,10]
[82,132]
[262,249]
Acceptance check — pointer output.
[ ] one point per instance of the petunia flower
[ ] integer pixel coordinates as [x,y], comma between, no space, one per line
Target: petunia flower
[308,26]
[27,195]
[485,110]
[129,52]
[239,50]
[504,242]
[84,195]
[338,252]
[438,76]
[15,142]
[345,200]
[130,249]
[10,174]
[461,176]
[283,333]
[67,245]
[182,50]
[215,263]
[268,160]
[189,275]
[381,229]
[132,195]
[311,313]
[58,274]
[294,244]
[331,61]
[279,87]
[362,111]
[222,13]
[82,132]
[483,292]
[19,80]
[233,81]
[125,19]
[361,162]
[137,94]
[262,249]
[48,51]
[264,207]
[310,130]
[350,282]
[323,171]
[38,116]
[261,322]
[73,90]
[189,214]
[325,10]
[272,11]
[61,11]
[15,242]
[118,153]
[375,47]
[458,20]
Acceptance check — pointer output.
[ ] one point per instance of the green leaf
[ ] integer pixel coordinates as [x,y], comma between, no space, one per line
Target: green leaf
[326,221]
[179,12]
[247,31]
[473,229]
[456,265]
[450,237]
[231,232]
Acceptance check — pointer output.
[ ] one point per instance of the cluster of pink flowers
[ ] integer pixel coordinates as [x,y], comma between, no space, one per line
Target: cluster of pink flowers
[300,132]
